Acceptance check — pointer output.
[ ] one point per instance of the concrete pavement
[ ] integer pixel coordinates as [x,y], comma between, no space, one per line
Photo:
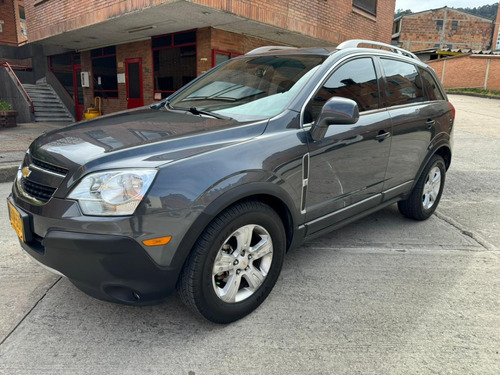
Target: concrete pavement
[384,295]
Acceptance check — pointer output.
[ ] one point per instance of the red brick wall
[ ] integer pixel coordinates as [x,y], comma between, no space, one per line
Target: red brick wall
[334,21]
[330,20]
[11,30]
[468,71]
[419,31]
[213,39]
[52,17]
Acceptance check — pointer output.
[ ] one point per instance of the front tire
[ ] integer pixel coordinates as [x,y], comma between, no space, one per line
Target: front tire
[426,194]
[235,262]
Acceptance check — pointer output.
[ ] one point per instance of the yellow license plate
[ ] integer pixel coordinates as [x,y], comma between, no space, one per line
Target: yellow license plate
[16,221]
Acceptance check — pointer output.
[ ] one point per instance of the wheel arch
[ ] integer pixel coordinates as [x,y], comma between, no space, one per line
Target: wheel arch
[267,193]
[445,152]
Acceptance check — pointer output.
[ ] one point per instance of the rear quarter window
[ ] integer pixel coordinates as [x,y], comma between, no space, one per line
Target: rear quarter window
[431,87]
[404,83]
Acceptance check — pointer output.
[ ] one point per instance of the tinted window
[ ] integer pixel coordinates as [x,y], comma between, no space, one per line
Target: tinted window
[404,84]
[354,80]
[431,88]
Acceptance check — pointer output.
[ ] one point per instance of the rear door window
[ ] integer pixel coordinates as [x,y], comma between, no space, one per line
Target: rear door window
[404,83]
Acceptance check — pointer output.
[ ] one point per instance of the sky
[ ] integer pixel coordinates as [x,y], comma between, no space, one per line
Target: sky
[420,5]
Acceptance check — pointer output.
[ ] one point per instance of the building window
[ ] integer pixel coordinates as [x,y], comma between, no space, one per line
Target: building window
[221,56]
[396,27]
[22,22]
[104,72]
[174,61]
[439,25]
[367,5]
[454,25]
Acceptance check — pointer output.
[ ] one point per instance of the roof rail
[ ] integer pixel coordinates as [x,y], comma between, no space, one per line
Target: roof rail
[267,49]
[354,43]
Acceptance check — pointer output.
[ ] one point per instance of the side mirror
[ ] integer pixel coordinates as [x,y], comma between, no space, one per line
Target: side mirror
[336,110]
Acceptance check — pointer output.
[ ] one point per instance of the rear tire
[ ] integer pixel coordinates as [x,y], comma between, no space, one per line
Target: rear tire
[235,263]
[426,194]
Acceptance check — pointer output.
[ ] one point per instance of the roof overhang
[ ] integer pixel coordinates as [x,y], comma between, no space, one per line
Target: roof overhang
[170,18]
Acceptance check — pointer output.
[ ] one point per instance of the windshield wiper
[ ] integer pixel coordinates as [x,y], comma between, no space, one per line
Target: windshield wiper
[160,105]
[196,111]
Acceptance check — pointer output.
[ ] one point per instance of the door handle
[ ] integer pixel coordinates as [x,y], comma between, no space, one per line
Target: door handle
[430,123]
[382,135]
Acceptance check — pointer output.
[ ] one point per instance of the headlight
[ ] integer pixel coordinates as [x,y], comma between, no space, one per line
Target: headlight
[113,193]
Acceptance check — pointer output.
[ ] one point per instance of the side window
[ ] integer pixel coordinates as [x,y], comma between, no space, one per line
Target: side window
[404,84]
[354,80]
[431,88]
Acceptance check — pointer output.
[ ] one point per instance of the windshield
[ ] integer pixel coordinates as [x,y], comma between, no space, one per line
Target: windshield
[250,88]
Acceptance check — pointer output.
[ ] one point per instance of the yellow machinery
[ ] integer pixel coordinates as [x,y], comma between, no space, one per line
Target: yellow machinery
[94,110]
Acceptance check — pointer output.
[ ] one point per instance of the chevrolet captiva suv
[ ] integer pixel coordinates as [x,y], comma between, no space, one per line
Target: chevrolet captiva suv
[206,191]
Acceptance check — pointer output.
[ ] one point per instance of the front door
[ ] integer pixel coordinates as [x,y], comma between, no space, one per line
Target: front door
[348,166]
[133,77]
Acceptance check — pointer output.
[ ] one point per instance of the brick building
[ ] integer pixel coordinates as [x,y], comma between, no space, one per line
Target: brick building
[13,30]
[137,51]
[442,28]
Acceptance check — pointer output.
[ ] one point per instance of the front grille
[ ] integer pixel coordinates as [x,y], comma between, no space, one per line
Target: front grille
[38,191]
[49,167]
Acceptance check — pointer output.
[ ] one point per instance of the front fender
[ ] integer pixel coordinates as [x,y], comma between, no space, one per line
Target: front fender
[257,185]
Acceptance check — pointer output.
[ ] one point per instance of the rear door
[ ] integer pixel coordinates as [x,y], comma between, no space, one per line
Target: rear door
[347,167]
[417,108]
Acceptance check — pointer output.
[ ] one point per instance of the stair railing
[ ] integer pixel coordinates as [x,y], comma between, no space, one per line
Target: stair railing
[9,68]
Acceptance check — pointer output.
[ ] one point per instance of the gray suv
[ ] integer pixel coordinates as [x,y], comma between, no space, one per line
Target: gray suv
[205,191]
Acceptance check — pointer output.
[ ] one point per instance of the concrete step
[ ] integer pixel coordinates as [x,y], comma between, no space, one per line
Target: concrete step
[45,100]
[53,119]
[48,106]
[60,112]
[40,92]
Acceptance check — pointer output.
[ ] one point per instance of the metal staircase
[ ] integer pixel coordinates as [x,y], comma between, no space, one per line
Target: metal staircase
[48,107]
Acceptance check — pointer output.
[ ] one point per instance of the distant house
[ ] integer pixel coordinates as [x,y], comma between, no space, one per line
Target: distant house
[441,29]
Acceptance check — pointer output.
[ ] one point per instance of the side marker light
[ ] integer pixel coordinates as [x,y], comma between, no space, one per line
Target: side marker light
[157,241]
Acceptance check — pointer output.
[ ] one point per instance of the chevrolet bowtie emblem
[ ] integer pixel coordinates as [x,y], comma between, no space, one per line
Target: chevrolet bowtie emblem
[25,172]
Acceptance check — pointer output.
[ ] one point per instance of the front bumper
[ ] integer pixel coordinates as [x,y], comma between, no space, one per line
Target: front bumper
[106,266]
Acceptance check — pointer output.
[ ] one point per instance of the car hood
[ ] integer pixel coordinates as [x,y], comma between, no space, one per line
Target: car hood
[143,137]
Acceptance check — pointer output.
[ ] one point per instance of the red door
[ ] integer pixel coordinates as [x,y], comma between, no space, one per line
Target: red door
[133,77]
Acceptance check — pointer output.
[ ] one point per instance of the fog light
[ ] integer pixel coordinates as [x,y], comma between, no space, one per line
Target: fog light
[157,241]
